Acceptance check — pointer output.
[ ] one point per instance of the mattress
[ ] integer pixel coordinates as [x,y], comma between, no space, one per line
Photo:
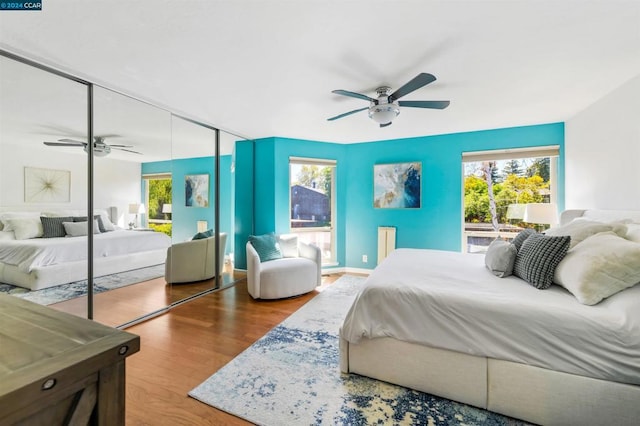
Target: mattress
[30,254]
[449,300]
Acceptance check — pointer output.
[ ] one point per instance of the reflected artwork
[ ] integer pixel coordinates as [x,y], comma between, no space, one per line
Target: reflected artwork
[196,190]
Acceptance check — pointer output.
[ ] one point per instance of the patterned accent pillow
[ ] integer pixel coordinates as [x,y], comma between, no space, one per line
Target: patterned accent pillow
[538,258]
[267,246]
[53,227]
[500,258]
[521,237]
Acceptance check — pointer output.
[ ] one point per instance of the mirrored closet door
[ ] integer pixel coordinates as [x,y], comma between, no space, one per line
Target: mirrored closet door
[43,186]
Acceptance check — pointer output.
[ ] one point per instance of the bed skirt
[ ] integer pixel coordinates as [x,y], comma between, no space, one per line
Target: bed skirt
[53,275]
[525,392]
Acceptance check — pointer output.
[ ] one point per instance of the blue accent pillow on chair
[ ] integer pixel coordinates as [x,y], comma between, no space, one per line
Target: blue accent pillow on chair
[202,235]
[267,246]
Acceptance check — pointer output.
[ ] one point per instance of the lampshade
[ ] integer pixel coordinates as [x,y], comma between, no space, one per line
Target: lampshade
[166,208]
[384,113]
[541,213]
[133,208]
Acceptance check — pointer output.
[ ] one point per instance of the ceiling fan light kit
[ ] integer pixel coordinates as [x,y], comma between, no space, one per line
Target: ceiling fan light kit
[387,107]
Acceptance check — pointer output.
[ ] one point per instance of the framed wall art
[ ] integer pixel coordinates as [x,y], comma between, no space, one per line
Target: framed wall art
[46,185]
[196,190]
[397,186]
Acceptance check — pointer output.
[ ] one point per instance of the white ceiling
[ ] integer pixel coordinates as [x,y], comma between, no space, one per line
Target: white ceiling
[267,68]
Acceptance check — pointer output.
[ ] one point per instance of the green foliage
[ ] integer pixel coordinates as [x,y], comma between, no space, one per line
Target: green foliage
[512,167]
[316,177]
[159,194]
[513,190]
[161,227]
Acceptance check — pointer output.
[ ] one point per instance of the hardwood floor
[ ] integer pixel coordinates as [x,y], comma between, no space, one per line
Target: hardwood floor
[183,347]
[119,306]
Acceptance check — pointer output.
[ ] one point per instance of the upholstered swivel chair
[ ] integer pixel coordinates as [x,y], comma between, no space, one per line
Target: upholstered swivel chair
[193,260]
[297,272]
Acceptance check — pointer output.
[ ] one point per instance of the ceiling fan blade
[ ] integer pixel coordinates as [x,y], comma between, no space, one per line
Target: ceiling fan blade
[72,141]
[121,146]
[128,150]
[347,113]
[417,82]
[62,144]
[424,104]
[354,95]
[386,124]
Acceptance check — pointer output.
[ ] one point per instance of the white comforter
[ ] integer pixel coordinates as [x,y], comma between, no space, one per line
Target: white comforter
[41,252]
[450,300]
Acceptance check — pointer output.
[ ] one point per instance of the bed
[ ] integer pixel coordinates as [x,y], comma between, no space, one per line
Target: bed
[35,262]
[442,323]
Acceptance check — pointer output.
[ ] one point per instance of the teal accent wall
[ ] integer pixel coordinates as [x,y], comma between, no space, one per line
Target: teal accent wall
[184,218]
[244,195]
[436,225]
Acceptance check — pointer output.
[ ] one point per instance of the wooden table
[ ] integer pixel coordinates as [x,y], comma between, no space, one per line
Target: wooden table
[56,368]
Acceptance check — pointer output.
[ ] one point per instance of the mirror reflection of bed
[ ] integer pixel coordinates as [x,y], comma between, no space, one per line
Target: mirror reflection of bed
[43,259]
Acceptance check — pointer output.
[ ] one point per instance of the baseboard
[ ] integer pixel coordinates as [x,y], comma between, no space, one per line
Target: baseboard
[346,270]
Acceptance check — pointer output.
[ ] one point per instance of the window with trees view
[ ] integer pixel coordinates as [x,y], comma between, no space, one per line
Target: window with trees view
[496,190]
[158,202]
[312,212]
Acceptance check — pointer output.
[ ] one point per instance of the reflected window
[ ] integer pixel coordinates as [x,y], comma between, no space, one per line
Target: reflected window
[159,202]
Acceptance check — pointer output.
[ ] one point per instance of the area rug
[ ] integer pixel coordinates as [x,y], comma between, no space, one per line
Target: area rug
[60,293]
[292,376]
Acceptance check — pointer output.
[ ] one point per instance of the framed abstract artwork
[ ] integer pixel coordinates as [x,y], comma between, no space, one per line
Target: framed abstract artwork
[397,186]
[46,185]
[196,190]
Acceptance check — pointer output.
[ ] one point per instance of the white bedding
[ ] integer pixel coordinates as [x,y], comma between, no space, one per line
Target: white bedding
[42,252]
[450,300]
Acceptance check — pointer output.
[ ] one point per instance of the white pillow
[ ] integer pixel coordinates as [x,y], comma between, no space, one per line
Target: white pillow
[7,235]
[79,229]
[288,245]
[106,222]
[599,267]
[633,232]
[580,229]
[4,217]
[25,228]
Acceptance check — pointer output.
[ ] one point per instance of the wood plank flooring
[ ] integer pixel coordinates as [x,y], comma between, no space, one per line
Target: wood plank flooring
[183,347]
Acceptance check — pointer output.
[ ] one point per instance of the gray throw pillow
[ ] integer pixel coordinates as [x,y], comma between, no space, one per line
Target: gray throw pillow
[95,217]
[266,246]
[521,237]
[500,258]
[538,258]
[52,226]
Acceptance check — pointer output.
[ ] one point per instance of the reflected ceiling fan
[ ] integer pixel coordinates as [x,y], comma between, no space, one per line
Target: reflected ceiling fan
[386,107]
[100,148]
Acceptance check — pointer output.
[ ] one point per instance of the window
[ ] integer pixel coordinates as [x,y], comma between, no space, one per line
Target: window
[158,201]
[497,186]
[312,202]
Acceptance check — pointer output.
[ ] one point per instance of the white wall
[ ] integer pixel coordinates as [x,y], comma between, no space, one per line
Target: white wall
[602,152]
[117,183]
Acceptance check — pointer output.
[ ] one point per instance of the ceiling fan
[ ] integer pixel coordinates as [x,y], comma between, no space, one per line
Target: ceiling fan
[386,107]
[100,148]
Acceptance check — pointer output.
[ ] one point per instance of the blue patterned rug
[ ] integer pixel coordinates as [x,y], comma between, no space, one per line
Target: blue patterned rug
[60,293]
[292,376]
